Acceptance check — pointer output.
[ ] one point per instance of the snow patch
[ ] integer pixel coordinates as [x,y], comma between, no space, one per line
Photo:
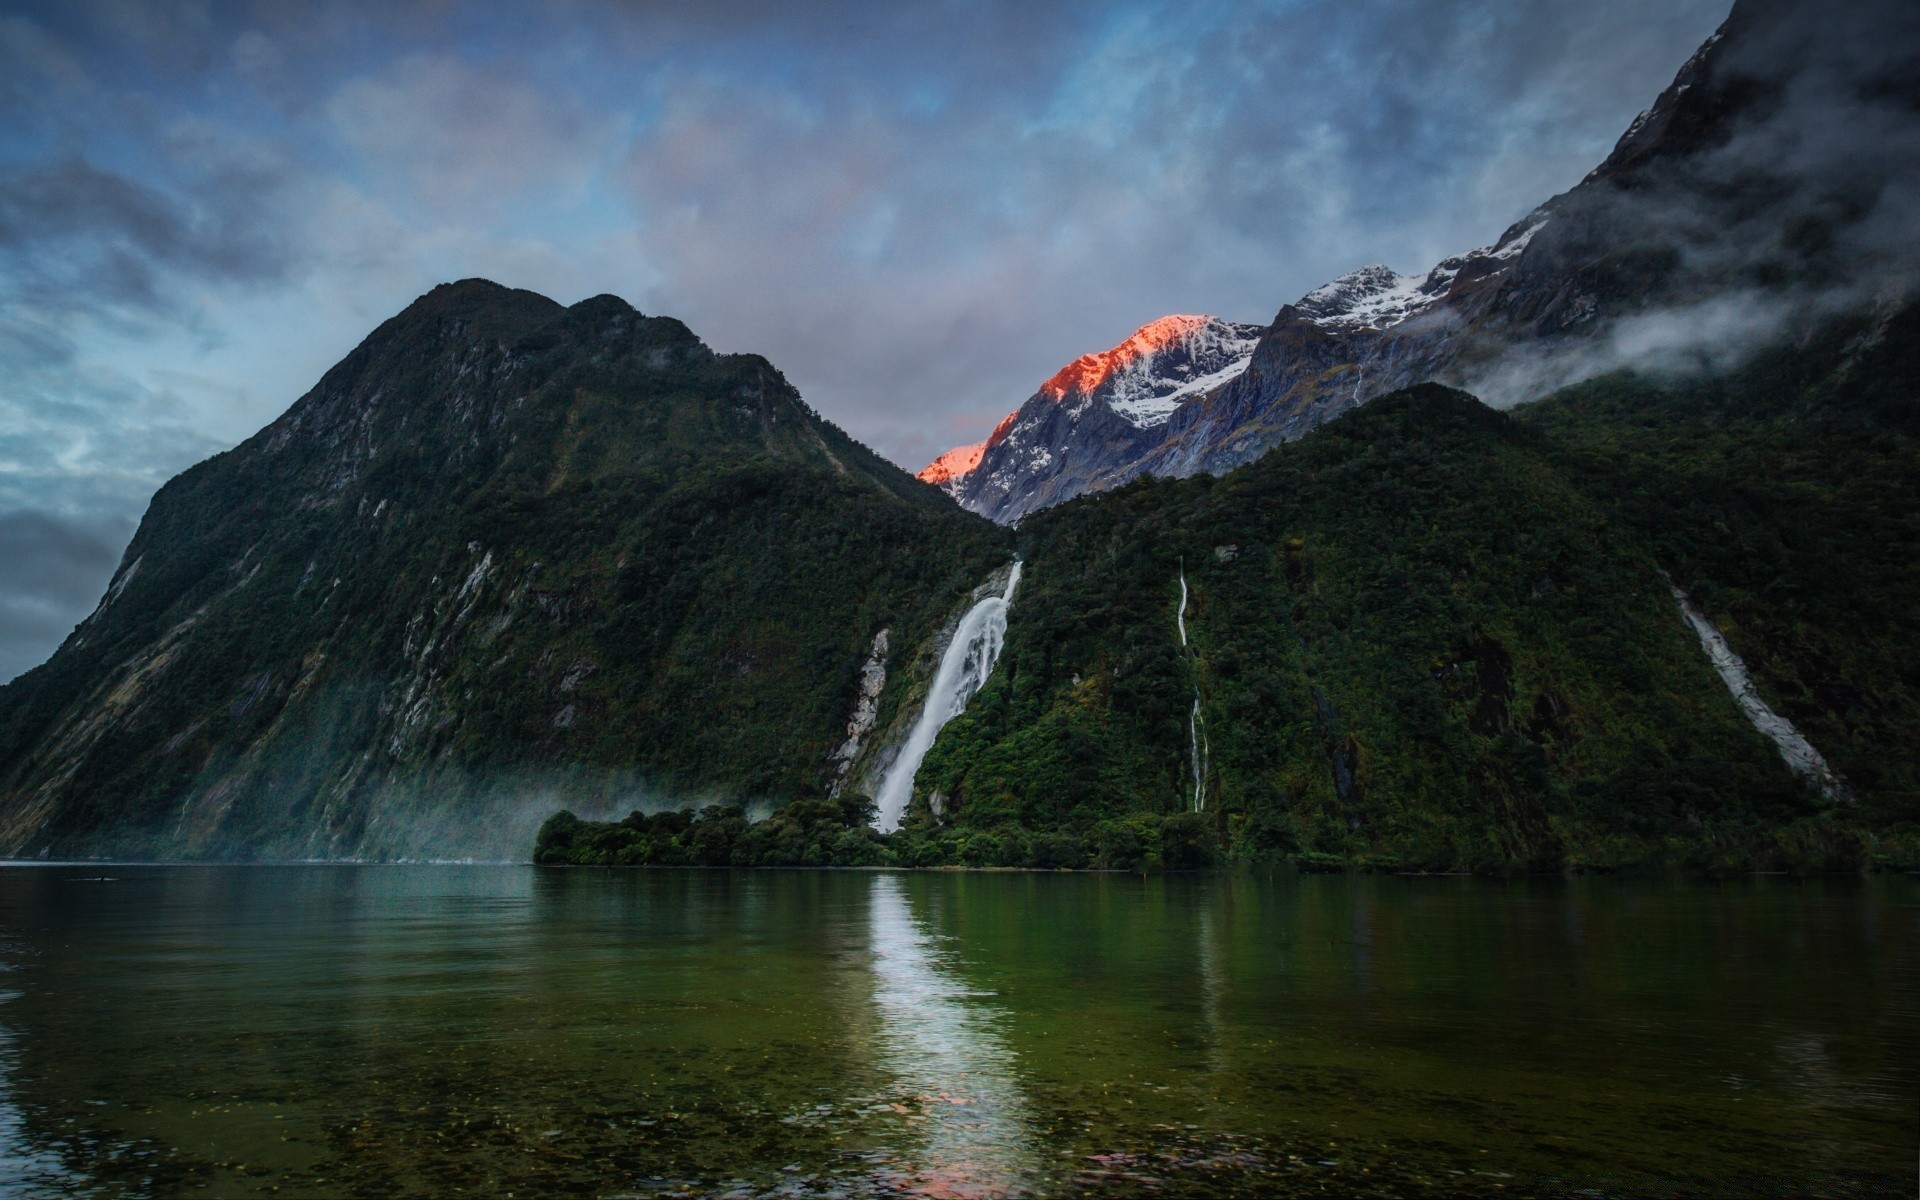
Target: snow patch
[1375,297]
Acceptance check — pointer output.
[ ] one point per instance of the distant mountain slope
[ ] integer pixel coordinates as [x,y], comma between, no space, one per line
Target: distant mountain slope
[1776,181]
[504,550]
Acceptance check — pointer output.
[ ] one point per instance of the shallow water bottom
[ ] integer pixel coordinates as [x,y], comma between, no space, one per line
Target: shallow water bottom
[382,1030]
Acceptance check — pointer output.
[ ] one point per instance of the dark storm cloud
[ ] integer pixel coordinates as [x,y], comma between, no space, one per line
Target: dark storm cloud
[917,211]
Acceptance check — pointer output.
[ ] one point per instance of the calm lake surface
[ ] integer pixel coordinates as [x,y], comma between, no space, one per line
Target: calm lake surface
[428,1030]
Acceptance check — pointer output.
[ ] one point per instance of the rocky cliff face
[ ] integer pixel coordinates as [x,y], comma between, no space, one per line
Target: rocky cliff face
[505,555]
[1776,181]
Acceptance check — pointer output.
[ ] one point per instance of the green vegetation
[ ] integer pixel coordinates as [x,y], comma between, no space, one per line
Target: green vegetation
[1786,501]
[504,551]
[839,833]
[509,558]
[1433,637]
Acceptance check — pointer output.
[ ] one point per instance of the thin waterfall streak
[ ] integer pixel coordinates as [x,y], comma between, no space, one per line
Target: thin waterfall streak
[1197,751]
[1193,752]
[1794,748]
[1180,617]
[964,670]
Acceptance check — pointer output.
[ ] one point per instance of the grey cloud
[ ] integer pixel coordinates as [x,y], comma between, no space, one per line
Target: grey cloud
[1677,342]
[918,273]
[82,448]
[77,238]
[1805,206]
[456,136]
[56,570]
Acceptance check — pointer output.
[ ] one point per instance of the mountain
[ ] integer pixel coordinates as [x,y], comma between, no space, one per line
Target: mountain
[504,555]
[1661,616]
[509,558]
[1432,636]
[1773,183]
[1098,409]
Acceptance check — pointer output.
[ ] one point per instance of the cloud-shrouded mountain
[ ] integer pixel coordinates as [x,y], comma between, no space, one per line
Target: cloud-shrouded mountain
[1776,180]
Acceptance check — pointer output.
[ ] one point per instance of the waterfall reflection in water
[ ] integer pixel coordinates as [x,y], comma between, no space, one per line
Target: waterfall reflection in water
[954,1070]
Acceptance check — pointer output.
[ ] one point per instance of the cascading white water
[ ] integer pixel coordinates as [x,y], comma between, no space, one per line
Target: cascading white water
[963,671]
[1798,752]
[1197,743]
[1196,724]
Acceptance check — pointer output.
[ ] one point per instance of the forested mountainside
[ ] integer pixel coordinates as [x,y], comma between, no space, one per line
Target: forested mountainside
[1432,636]
[504,552]
[509,558]
[1771,185]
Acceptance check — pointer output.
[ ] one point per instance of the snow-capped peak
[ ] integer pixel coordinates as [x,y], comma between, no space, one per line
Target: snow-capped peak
[1143,380]
[950,469]
[955,462]
[1374,297]
[1162,365]
[1371,297]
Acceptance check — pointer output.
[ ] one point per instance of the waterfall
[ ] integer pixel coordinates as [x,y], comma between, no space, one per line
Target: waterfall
[1180,617]
[963,671]
[1197,742]
[1798,752]
[1196,724]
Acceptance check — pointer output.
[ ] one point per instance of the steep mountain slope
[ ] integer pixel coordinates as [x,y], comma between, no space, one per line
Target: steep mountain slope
[504,552]
[1415,639]
[1098,410]
[1777,181]
[1785,499]
[1429,636]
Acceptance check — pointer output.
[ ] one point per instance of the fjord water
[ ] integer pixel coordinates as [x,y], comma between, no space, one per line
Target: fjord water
[421,1030]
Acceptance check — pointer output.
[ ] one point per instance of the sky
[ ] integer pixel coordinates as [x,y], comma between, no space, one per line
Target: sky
[917,211]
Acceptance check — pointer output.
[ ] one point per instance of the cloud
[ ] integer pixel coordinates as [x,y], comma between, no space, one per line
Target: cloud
[77,238]
[916,211]
[57,569]
[454,137]
[1778,186]
[917,269]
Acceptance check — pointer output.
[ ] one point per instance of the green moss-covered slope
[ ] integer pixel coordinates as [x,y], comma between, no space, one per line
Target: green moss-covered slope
[1786,500]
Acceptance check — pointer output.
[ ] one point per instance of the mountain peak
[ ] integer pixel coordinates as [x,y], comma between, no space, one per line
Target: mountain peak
[1162,364]
[954,463]
[1373,296]
[1089,371]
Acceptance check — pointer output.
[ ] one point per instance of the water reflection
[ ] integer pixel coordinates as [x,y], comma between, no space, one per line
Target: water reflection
[25,1167]
[421,1030]
[954,1069]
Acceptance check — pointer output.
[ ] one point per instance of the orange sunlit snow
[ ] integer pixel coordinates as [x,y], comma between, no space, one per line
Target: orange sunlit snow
[1089,371]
